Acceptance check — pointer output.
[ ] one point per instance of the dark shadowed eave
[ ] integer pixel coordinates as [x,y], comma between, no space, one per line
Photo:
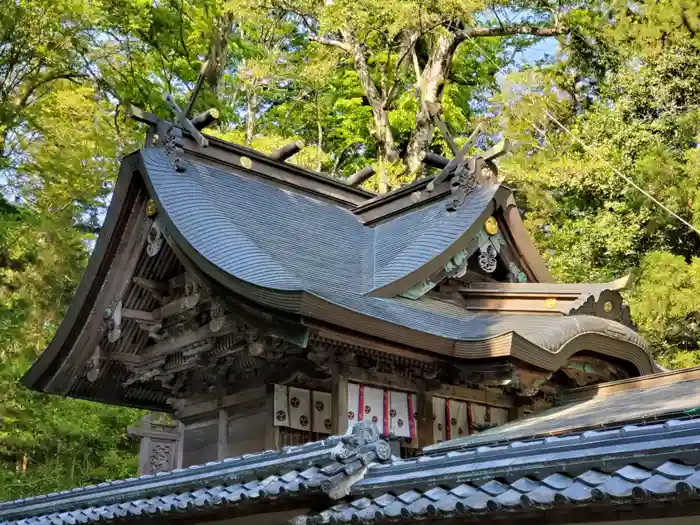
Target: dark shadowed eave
[129,195]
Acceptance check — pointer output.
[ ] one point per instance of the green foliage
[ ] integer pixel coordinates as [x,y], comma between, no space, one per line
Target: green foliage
[645,124]
[347,77]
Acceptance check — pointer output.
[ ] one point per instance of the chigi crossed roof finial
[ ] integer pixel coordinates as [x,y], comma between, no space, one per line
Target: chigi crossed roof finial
[466,173]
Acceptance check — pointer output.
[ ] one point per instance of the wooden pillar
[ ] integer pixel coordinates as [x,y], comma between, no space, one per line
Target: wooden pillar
[516,412]
[272,433]
[339,402]
[425,419]
[222,441]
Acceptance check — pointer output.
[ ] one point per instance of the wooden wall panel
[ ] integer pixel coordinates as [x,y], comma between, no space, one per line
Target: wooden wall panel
[246,434]
[200,443]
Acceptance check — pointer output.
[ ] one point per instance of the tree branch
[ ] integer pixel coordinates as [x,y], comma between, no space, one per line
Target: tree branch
[329,41]
[510,30]
[36,85]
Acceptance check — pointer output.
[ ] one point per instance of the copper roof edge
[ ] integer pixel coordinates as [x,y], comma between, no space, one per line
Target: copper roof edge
[574,289]
[645,382]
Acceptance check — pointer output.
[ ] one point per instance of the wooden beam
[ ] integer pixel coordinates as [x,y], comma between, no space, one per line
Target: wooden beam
[172,308]
[424,421]
[360,176]
[206,119]
[496,151]
[286,151]
[434,110]
[367,342]
[271,438]
[173,345]
[150,284]
[124,358]
[434,160]
[178,281]
[211,405]
[140,315]
[416,385]
[484,397]
[222,437]
[180,305]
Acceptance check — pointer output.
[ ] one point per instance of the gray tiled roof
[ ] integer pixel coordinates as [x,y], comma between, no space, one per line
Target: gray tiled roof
[658,461]
[292,244]
[310,470]
[606,467]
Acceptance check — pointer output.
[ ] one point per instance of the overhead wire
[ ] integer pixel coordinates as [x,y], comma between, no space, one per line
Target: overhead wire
[586,148]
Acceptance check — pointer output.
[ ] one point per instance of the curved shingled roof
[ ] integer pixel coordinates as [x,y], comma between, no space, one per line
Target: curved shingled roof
[302,254]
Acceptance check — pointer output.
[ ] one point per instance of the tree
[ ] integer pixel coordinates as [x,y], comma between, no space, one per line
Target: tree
[397,47]
[644,121]
[36,50]
[58,153]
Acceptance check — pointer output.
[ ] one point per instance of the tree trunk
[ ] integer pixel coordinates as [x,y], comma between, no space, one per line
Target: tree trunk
[250,116]
[218,56]
[380,115]
[430,89]
[319,131]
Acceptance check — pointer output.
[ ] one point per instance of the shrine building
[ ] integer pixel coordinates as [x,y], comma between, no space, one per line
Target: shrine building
[328,355]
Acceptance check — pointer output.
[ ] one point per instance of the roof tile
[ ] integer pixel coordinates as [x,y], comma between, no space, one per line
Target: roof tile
[435,494]
[593,478]
[633,473]
[675,470]
[524,485]
[557,481]
[409,497]
[493,487]
[659,485]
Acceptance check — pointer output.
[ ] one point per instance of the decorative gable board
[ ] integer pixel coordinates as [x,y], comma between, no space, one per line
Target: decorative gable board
[459,421]
[374,407]
[402,414]
[281,406]
[439,430]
